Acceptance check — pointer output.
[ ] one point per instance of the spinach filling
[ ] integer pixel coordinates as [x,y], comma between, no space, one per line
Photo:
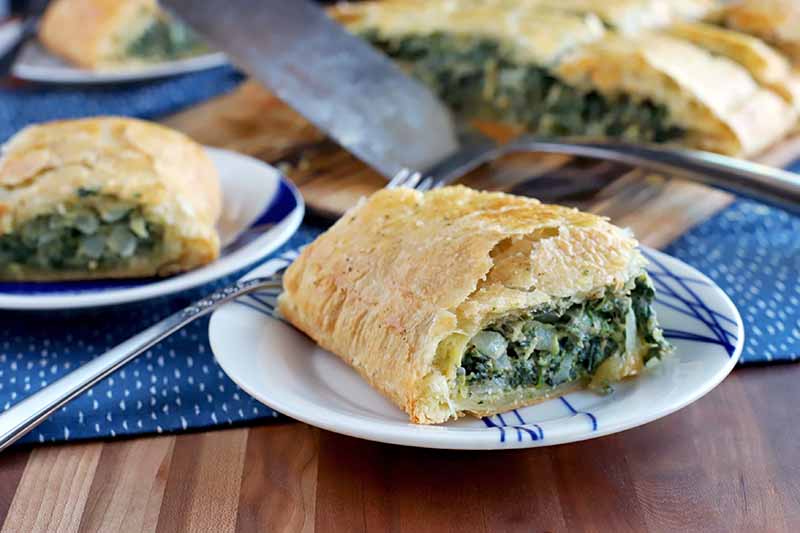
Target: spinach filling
[545,348]
[95,232]
[477,80]
[166,39]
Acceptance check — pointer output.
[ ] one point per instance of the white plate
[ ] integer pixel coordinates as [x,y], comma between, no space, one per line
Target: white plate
[34,63]
[257,201]
[285,370]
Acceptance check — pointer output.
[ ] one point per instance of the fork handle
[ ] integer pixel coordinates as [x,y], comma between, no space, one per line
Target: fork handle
[22,417]
[768,184]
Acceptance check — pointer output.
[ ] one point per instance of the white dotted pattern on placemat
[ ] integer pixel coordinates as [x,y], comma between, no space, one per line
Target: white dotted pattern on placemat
[753,252]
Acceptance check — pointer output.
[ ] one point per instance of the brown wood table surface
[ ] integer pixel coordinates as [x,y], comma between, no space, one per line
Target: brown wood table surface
[729,462]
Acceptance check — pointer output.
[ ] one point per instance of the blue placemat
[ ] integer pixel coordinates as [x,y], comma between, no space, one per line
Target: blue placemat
[752,251]
[25,103]
[177,385]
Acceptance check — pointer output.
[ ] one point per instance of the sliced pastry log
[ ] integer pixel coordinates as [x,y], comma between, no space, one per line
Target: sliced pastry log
[456,301]
[775,21]
[98,34]
[557,72]
[767,66]
[105,198]
[713,99]
[503,71]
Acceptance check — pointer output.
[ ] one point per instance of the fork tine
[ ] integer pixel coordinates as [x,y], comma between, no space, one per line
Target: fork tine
[399,179]
[405,178]
[264,297]
[413,180]
[426,184]
[268,302]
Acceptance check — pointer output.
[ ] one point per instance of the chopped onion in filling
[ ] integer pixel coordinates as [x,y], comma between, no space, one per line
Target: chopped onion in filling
[93,233]
[545,348]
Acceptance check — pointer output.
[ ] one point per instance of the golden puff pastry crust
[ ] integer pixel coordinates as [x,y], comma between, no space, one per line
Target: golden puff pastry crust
[163,175]
[529,32]
[775,21]
[713,98]
[93,33]
[767,66]
[404,273]
[631,16]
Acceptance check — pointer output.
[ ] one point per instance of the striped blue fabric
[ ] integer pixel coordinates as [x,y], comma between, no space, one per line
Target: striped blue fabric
[752,251]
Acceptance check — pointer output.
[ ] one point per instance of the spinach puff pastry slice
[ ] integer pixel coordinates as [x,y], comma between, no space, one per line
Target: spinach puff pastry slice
[560,72]
[102,34]
[105,198]
[456,301]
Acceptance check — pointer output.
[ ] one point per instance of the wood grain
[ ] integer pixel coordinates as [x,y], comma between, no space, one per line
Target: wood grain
[12,466]
[202,491]
[280,480]
[131,478]
[729,462]
[52,493]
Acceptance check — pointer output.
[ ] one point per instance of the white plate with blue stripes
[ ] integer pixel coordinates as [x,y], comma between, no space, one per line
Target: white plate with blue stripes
[260,211]
[285,370]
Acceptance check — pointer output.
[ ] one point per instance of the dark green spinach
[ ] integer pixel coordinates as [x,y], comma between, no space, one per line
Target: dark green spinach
[477,78]
[548,347]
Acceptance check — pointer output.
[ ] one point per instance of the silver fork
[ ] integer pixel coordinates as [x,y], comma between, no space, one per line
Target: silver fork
[24,416]
[770,185]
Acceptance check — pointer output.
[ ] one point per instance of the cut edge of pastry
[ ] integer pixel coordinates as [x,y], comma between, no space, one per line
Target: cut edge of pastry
[443,396]
[716,100]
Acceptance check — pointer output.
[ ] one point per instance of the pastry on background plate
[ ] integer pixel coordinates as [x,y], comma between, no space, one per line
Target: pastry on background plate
[105,198]
[456,301]
[103,34]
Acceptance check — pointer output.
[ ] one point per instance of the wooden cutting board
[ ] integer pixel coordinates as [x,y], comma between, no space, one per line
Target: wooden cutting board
[658,208]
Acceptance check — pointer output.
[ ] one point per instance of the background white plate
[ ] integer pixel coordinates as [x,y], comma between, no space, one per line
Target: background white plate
[284,369]
[34,63]
[256,200]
